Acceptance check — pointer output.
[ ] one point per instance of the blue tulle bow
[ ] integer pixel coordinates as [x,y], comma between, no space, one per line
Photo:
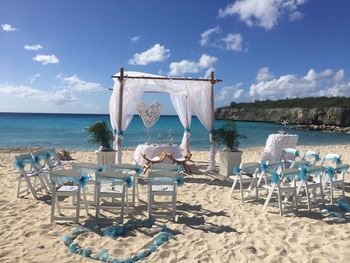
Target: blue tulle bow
[336,160]
[345,206]
[317,157]
[275,178]
[303,173]
[19,164]
[83,180]
[85,252]
[39,158]
[50,154]
[119,133]
[113,231]
[138,170]
[236,170]
[180,181]
[103,255]
[187,130]
[342,169]
[128,181]
[263,166]
[100,168]
[330,172]
[73,247]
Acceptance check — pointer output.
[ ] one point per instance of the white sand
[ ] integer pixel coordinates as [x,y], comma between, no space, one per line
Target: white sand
[210,226]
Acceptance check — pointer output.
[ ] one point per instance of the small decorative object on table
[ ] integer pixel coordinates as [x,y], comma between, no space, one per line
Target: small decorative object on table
[284,127]
[170,138]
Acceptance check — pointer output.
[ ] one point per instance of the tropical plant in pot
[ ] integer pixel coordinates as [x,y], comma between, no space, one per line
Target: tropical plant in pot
[230,157]
[100,134]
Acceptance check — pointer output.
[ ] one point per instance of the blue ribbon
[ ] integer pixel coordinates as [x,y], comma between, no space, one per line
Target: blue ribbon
[336,160]
[180,181]
[342,169]
[50,154]
[100,168]
[275,178]
[187,130]
[345,206]
[138,170]
[128,181]
[263,166]
[236,170]
[316,156]
[19,164]
[83,180]
[39,158]
[330,172]
[303,173]
[117,132]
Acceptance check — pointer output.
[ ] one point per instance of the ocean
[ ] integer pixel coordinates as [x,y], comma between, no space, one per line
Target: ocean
[67,131]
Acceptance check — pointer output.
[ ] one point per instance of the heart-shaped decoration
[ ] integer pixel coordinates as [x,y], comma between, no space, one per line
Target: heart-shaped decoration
[149,114]
[161,235]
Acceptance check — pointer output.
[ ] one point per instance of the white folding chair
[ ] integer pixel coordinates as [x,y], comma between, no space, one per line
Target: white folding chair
[283,184]
[54,159]
[133,170]
[41,164]
[247,173]
[164,185]
[112,185]
[28,173]
[60,188]
[288,157]
[310,181]
[164,167]
[312,157]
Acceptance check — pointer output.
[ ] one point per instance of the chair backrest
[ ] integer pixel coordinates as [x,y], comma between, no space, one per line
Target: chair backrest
[65,176]
[127,166]
[331,159]
[115,177]
[291,174]
[163,177]
[288,156]
[250,168]
[311,156]
[164,167]
[84,165]
[25,163]
[316,171]
[273,166]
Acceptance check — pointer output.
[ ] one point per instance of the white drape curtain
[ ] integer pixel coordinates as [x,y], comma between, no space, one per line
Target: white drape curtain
[133,90]
[187,96]
[183,109]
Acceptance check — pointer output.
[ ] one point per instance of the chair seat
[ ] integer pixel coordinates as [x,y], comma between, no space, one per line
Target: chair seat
[112,190]
[162,188]
[67,188]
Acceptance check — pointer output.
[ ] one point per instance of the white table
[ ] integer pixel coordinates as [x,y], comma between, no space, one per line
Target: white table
[153,150]
[275,143]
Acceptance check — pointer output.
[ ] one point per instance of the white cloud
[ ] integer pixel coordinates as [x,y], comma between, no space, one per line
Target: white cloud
[295,16]
[205,36]
[263,13]
[323,83]
[8,28]
[186,66]
[135,39]
[58,97]
[228,94]
[157,53]
[46,59]
[264,74]
[34,77]
[33,47]
[229,42]
[77,84]
[207,73]
[233,42]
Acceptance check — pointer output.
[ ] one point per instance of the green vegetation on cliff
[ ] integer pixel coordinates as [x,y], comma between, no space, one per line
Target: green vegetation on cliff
[310,102]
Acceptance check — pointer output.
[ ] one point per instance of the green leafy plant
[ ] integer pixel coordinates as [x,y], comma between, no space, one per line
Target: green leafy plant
[99,134]
[227,135]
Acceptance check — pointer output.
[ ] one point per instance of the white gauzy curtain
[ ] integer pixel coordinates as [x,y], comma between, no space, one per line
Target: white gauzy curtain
[200,100]
[183,109]
[132,92]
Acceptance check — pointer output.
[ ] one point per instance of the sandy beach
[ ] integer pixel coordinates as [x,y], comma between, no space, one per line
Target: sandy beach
[210,226]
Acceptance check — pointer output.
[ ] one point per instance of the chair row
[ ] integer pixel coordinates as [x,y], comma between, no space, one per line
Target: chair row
[162,181]
[288,183]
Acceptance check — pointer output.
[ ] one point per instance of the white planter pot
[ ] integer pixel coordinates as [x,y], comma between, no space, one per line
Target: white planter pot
[106,158]
[228,160]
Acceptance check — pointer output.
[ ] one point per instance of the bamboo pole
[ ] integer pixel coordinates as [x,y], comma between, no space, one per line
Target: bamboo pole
[212,142]
[167,78]
[120,119]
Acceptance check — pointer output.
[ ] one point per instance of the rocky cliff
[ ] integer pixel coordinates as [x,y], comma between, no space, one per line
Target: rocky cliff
[304,117]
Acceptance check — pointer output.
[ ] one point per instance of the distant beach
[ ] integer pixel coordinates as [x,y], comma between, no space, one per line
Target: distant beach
[67,131]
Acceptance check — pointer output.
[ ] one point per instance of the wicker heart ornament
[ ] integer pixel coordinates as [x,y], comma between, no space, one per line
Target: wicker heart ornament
[149,114]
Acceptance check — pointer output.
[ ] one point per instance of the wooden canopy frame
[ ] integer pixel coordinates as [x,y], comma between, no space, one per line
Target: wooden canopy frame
[122,77]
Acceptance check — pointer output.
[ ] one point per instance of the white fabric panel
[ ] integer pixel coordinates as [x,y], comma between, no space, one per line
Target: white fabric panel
[183,109]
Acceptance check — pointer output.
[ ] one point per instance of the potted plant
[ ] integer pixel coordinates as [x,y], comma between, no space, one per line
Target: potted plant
[230,156]
[101,135]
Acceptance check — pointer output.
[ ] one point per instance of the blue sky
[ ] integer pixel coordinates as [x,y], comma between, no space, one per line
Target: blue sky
[58,56]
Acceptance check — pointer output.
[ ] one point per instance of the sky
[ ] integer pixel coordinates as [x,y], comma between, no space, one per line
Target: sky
[58,56]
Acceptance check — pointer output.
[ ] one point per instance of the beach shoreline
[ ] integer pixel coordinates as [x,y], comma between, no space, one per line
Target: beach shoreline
[210,227]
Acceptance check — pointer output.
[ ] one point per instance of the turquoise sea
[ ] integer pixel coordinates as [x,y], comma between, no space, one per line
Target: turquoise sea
[67,131]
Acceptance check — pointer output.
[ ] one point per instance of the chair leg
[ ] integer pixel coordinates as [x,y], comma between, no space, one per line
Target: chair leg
[85,202]
[280,202]
[331,190]
[53,200]
[97,199]
[134,190]
[233,186]
[268,198]
[122,208]
[295,199]
[174,204]
[307,197]
[31,188]
[78,204]
[241,190]
[149,201]
[19,186]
